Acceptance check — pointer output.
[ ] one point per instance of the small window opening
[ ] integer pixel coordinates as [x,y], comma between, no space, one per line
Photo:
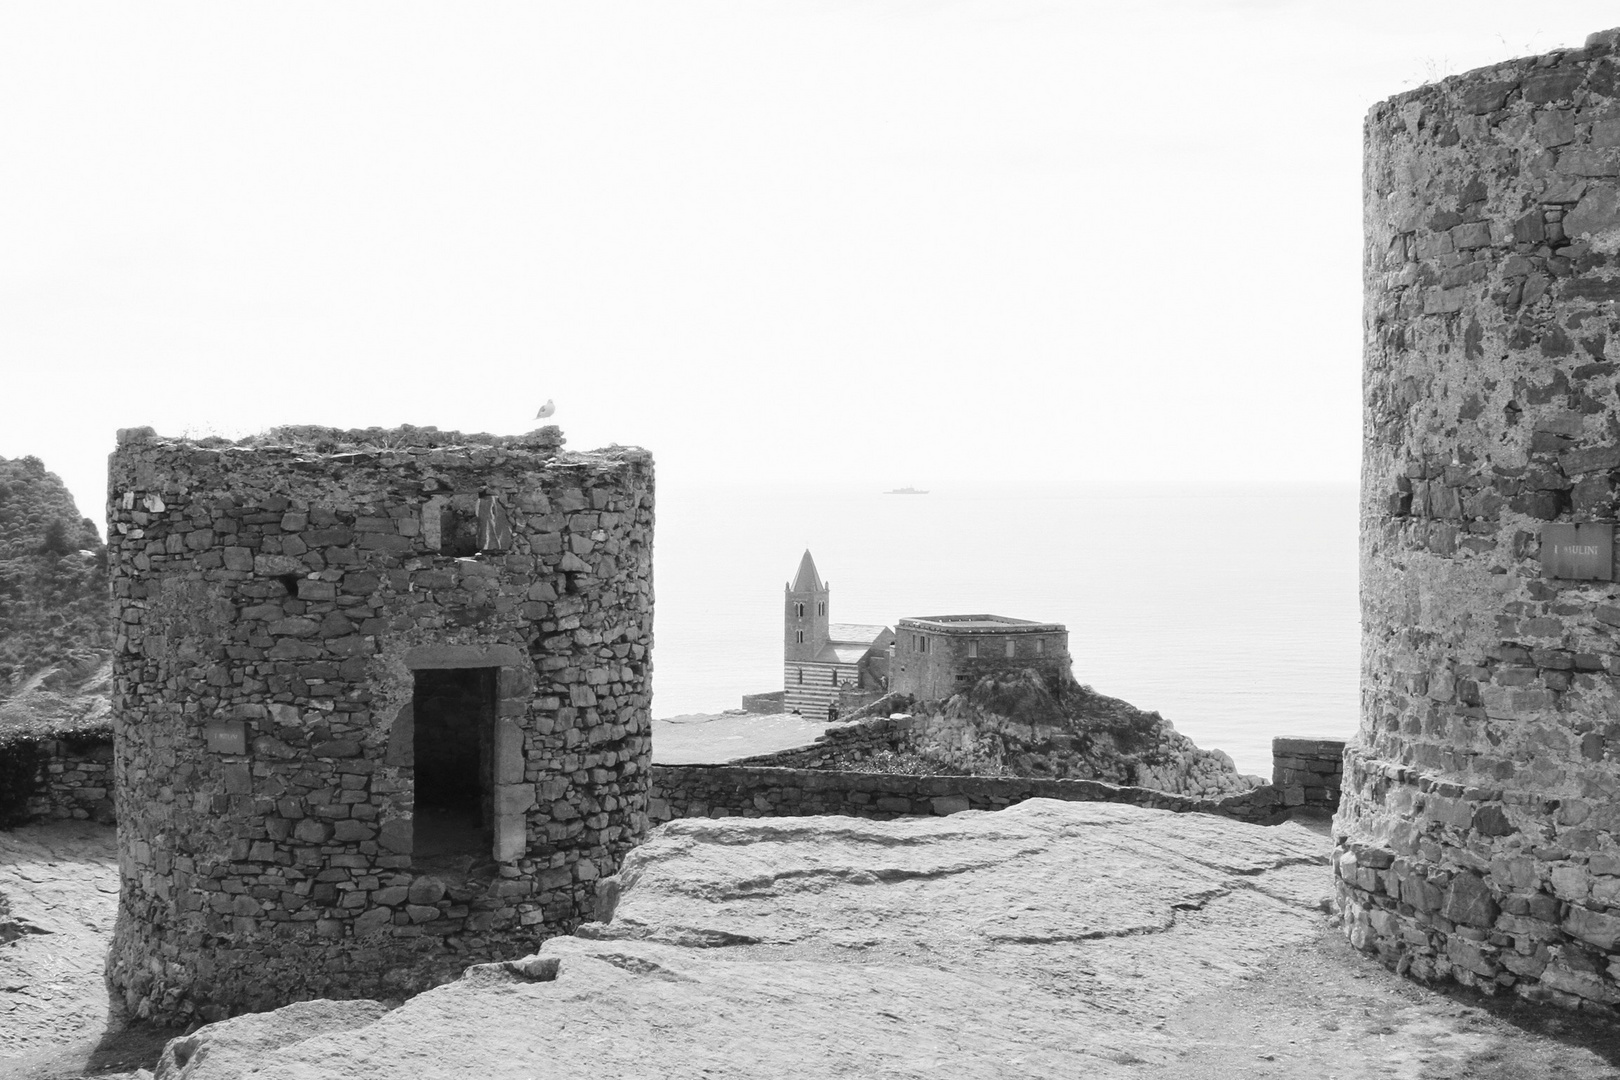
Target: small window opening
[973,650]
[821,607]
[798,609]
[801,675]
[962,678]
[289,582]
[1011,646]
[798,635]
[453,734]
[1040,646]
[458,532]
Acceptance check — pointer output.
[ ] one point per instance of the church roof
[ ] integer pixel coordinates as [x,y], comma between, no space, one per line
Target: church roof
[846,633]
[806,580]
[838,652]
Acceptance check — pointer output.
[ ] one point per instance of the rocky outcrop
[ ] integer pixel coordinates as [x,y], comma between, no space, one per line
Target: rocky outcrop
[1044,940]
[1027,723]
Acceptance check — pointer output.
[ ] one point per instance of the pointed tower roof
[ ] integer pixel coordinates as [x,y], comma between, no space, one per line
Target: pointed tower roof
[807,580]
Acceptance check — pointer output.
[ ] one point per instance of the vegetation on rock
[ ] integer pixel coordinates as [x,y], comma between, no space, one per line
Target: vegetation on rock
[55,618]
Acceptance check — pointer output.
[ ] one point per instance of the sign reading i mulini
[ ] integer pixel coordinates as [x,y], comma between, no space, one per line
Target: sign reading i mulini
[1582,552]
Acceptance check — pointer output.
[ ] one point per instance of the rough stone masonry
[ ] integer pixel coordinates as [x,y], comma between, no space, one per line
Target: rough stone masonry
[1478,829]
[322,633]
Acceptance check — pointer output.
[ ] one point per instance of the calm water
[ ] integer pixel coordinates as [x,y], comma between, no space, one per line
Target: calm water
[1230,611]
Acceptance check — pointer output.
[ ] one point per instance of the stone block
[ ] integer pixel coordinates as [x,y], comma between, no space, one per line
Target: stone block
[1469,901]
[1594,927]
[238,778]
[372,921]
[508,752]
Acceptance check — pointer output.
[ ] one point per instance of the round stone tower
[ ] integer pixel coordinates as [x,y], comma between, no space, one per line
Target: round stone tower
[1477,834]
[380,706]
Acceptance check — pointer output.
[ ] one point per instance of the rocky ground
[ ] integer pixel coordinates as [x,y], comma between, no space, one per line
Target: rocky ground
[59,885]
[1050,939]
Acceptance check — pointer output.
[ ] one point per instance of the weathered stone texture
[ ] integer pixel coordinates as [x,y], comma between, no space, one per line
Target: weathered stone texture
[275,603]
[1477,835]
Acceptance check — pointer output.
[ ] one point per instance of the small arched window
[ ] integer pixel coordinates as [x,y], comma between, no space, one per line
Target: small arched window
[799,636]
[798,609]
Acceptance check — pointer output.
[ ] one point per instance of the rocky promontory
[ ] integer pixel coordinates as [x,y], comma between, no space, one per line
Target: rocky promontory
[1022,723]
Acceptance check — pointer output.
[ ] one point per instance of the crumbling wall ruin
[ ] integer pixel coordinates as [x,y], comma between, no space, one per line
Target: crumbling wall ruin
[1479,833]
[286,608]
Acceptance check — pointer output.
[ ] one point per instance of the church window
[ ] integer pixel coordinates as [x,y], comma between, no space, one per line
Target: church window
[801,675]
[799,636]
[798,609]
[821,607]
[973,650]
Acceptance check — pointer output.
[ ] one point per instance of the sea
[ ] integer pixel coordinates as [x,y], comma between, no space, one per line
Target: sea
[1231,611]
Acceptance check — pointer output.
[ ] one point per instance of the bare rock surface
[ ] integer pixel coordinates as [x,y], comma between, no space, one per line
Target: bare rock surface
[1044,940]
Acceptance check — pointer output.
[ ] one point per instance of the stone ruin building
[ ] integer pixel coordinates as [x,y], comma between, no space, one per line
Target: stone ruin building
[381,706]
[1478,830]
[936,656]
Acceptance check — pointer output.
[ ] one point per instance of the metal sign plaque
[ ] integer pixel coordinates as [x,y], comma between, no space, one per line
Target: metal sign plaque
[1578,552]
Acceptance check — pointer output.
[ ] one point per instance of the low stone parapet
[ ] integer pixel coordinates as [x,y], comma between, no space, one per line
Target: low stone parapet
[53,776]
[766,704]
[682,791]
[1309,772]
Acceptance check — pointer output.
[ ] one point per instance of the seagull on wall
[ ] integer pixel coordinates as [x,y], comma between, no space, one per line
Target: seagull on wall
[546,410]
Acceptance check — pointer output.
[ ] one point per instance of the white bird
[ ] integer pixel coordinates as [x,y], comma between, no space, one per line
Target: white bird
[546,410]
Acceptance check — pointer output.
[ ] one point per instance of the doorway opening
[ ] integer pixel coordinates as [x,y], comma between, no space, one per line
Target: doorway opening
[453,744]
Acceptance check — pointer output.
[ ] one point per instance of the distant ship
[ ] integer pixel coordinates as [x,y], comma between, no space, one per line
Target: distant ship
[906,491]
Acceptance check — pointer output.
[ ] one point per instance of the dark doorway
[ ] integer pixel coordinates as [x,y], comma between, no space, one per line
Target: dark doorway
[454,712]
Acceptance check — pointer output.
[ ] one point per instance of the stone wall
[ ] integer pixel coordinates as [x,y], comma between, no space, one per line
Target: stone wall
[1477,836]
[766,704]
[57,776]
[763,791]
[1309,771]
[286,608]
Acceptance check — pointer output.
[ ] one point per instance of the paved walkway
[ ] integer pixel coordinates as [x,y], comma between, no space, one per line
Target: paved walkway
[714,739]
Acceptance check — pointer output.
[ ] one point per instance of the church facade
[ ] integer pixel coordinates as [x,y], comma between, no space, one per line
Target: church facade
[822,658]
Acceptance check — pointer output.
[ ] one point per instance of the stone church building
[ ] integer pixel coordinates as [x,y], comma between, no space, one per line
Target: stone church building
[822,658]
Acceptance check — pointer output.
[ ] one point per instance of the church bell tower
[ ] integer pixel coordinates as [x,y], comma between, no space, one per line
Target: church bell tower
[804,617]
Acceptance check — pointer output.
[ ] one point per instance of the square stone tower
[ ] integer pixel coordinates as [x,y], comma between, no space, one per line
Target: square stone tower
[381,706]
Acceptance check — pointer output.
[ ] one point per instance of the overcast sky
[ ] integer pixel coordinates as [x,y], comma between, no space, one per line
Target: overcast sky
[932,242]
